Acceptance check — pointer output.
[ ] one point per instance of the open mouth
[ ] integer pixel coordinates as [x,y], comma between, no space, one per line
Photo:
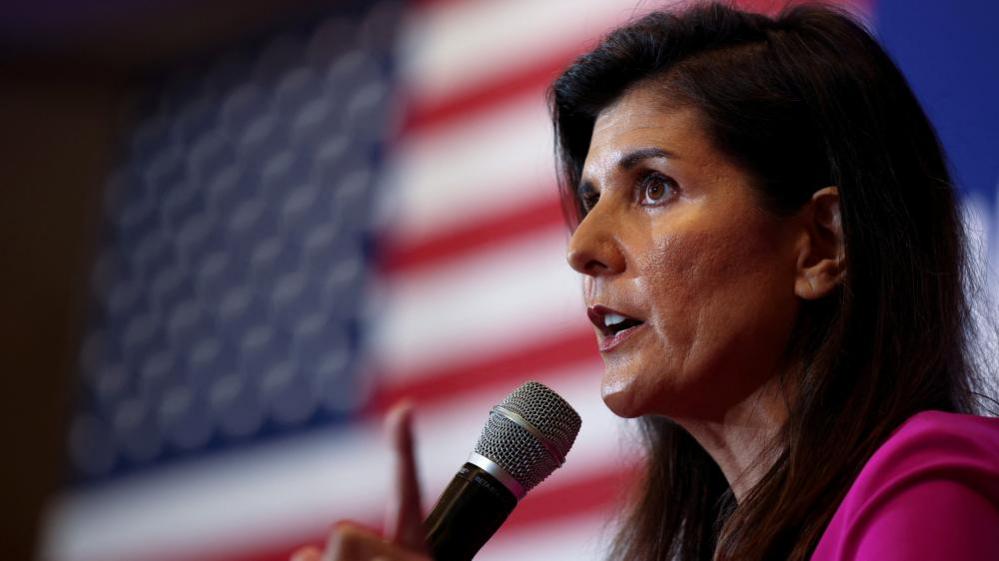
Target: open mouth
[611,322]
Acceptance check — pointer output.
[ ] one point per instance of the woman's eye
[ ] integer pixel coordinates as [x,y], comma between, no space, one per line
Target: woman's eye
[588,200]
[655,189]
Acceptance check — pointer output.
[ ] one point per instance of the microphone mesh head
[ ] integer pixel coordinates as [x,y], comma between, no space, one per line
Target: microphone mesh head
[517,448]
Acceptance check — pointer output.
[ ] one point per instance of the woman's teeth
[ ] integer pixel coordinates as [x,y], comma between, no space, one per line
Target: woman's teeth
[611,320]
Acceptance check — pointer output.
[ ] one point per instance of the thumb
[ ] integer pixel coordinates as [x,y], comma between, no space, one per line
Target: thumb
[404,518]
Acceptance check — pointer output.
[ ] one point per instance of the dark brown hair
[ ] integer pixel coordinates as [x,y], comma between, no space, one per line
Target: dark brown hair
[802,100]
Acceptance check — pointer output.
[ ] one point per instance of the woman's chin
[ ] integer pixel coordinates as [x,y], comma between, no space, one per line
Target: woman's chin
[620,397]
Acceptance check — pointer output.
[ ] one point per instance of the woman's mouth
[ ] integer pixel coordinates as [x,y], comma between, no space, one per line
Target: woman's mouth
[613,327]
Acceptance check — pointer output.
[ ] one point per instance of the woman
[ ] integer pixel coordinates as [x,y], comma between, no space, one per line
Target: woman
[773,263]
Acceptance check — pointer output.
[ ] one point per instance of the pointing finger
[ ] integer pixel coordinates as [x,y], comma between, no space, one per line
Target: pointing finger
[404,518]
[308,553]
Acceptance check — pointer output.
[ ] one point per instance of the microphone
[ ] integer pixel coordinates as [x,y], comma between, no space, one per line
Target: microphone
[525,439]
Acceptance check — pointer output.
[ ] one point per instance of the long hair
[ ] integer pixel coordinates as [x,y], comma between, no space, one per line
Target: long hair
[802,100]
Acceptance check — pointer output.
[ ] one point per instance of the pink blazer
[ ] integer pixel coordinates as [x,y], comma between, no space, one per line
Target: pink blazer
[930,492]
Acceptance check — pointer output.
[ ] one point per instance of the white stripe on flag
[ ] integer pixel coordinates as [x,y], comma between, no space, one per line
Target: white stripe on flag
[498,298]
[458,172]
[298,486]
[455,46]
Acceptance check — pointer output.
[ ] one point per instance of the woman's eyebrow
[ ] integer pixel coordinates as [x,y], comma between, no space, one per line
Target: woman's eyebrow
[628,161]
[632,159]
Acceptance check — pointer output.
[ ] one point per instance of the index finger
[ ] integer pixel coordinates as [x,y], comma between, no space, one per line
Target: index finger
[404,518]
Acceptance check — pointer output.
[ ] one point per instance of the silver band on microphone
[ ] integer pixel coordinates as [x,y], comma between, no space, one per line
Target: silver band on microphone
[499,473]
[543,439]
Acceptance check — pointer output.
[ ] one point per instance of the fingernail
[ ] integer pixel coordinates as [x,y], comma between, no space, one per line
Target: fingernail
[306,553]
[339,525]
[402,408]
[401,413]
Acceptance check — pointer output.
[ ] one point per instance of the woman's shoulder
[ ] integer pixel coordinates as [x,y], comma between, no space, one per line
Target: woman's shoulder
[959,425]
[955,433]
[931,491]
[935,442]
[932,446]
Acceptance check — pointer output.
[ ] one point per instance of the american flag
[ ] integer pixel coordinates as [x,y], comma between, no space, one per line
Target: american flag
[303,230]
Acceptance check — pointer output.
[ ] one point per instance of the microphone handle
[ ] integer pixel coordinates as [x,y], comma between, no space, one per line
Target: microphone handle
[468,513]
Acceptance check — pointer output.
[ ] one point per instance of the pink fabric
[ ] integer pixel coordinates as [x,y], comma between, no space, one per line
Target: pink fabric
[931,492]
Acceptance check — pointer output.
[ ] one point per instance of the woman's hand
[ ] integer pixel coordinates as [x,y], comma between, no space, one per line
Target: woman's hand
[404,534]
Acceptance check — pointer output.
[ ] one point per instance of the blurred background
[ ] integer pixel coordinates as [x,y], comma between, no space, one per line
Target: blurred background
[234,232]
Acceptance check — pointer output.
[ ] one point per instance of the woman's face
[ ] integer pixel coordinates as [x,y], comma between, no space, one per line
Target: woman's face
[678,246]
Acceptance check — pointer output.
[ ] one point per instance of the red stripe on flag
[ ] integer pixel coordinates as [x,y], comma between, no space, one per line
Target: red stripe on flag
[504,369]
[400,255]
[773,7]
[539,74]
[548,503]
[499,88]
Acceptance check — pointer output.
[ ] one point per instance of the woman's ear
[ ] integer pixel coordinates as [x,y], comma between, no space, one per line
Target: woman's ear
[821,251]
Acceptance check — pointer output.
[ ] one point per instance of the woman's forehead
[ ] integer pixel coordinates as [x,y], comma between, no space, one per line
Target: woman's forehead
[635,123]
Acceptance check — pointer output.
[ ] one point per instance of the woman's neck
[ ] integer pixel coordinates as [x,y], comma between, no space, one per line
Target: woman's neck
[742,440]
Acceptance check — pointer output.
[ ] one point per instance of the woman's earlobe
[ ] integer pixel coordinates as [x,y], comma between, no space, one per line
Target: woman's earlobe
[818,283]
[821,264]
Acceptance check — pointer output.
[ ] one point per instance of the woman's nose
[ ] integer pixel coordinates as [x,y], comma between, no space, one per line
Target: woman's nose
[593,248]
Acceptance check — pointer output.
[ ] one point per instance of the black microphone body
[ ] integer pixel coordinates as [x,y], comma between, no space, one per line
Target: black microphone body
[525,439]
[468,513]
